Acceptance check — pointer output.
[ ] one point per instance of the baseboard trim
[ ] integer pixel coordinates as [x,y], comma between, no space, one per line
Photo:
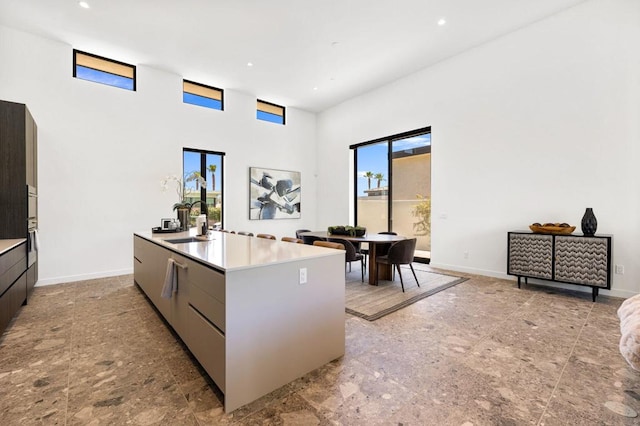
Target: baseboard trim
[83,277]
[624,294]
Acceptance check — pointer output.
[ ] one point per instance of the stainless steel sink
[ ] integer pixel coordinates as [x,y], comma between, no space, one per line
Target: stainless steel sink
[187,240]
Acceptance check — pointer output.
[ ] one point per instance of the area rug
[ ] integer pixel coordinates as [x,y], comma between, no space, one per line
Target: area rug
[373,302]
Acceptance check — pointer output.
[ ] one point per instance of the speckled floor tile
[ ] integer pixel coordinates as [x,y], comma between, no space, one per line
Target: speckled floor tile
[482,352]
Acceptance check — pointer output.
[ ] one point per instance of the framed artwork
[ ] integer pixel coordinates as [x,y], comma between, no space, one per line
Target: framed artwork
[273,194]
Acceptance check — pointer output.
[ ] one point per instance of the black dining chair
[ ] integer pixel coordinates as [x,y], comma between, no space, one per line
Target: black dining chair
[298,231]
[310,239]
[366,251]
[400,253]
[352,254]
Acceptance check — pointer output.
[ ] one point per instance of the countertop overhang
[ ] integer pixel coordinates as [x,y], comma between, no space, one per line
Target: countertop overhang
[230,252]
[6,245]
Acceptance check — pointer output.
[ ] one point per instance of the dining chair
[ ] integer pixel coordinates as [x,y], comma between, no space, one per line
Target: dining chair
[328,244]
[400,253]
[310,239]
[352,254]
[298,231]
[366,251]
[248,234]
[267,236]
[292,240]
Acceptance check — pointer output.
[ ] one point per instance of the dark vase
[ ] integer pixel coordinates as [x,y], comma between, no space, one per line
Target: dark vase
[183,217]
[589,223]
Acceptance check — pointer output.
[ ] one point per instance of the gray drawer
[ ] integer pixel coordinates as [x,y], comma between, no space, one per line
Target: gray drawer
[12,264]
[209,306]
[206,279]
[208,346]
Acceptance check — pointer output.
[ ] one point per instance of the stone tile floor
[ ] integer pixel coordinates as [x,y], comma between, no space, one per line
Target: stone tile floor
[481,353]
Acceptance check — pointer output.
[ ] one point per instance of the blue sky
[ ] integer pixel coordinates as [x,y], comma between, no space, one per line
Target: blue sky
[90,74]
[373,158]
[192,163]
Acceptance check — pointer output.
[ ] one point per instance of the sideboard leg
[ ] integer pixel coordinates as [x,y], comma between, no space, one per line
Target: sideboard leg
[518,281]
[595,293]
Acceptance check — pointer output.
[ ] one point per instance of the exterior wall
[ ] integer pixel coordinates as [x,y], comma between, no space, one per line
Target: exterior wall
[411,176]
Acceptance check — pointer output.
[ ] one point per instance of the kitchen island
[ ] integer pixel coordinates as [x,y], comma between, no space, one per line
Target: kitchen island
[256,313]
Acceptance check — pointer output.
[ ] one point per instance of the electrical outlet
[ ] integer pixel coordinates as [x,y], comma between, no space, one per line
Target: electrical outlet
[466,254]
[303,276]
[620,269]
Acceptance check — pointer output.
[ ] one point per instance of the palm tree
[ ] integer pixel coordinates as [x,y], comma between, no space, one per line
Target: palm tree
[197,178]
[379,177]
[368,175]
[212,168]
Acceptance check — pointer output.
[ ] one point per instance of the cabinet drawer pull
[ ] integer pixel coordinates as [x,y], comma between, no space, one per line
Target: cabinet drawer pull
[179,265]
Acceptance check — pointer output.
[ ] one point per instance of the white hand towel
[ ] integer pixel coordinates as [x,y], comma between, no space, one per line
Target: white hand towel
[170,280]
[36,240]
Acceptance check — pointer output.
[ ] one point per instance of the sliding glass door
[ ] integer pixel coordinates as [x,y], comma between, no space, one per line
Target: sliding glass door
[372,171]
[411,190]
[392,177]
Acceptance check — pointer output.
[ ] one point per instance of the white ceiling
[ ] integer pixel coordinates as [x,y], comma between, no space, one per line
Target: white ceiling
[341,47]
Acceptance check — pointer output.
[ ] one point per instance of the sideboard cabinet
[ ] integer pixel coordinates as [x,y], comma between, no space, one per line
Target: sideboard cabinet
[572,259]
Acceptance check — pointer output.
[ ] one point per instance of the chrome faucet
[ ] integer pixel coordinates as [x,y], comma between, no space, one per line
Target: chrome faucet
[203,209]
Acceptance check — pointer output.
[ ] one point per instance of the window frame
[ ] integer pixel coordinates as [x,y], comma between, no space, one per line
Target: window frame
[270,104]
[102,58]
[204,86]
[203,165]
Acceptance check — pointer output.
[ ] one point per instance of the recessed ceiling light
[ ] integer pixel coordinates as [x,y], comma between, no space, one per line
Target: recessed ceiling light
[315,88]
[83,4]
[249,64]
[442,21]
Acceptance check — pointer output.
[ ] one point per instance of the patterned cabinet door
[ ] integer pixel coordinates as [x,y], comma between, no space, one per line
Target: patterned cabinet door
[582,260]
[531,255]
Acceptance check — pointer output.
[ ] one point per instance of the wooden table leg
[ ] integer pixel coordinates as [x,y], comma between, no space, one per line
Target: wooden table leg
[384,270]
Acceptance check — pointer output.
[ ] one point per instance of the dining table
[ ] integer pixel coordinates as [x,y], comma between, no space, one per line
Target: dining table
[378,246]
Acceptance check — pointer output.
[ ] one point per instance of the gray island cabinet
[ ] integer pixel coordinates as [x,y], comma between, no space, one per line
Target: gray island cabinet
[241,310]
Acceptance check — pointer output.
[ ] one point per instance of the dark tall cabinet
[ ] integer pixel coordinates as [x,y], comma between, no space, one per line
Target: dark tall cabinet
[19,183]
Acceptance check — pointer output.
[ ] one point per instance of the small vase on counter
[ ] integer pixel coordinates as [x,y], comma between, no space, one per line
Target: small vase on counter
[589,223]
[183,217]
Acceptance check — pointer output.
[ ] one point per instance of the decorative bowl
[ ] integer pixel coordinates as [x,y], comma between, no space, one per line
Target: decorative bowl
[552,228]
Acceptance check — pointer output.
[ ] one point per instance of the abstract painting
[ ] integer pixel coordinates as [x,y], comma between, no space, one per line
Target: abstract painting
[273,194]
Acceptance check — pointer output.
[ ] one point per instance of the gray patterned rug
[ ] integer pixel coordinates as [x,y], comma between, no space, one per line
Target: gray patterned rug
[373,302]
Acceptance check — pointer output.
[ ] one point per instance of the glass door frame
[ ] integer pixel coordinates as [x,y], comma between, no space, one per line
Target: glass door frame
[389,140]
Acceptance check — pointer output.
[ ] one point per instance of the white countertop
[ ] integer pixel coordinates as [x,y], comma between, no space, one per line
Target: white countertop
[235,252]
[6,245]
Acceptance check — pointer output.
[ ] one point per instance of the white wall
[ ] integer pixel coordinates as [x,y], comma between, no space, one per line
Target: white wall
[532,127]
[103,151]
